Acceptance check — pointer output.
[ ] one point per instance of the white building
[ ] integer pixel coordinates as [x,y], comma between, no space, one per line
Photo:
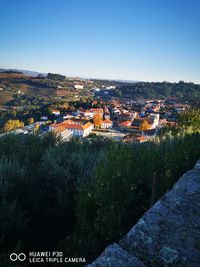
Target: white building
[93,111]
[76,128]
[155,120]
[78,86]
[44,118]
[107,124]
[56,112]
[64,133]
[116,111]
[107,115]
[88,113]
[111,87]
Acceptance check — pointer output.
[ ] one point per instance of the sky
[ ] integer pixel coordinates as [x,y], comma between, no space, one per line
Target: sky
[141,40]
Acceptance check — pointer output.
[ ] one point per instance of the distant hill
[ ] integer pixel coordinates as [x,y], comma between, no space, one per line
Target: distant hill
[28,82]
[149,90]
[26,72]
[3,71]
[14,81]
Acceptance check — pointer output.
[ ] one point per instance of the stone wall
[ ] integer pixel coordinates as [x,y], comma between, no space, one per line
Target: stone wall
[167,235]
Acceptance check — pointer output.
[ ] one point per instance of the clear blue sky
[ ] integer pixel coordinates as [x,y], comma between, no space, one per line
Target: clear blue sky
[152,40]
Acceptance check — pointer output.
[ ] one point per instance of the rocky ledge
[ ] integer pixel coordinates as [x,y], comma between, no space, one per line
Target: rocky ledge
[168,234]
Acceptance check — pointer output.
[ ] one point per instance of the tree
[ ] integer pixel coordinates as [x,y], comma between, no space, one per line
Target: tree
[12,125]
[145,126]
[189,121]
[53,76]
[30,121]
[97,120]
[37,126]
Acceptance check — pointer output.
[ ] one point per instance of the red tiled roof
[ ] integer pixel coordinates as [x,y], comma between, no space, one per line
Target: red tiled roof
[141,138]
[107,121]
[59,129]
[96,110]
[125,123]
[87,125]
[67,125]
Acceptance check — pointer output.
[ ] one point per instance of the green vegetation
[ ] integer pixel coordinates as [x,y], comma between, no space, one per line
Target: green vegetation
[54,85]
[10,71]
[150,90]
[13,84]
[53,76]
[26,107]
[189,121]
[30,121]
[80,196]
[30,106]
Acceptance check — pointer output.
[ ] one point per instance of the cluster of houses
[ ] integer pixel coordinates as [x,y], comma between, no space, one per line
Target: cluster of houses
[136,120]
[79,123]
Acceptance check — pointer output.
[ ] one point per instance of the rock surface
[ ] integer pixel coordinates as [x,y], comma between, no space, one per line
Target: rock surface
[114,255]
[167,235]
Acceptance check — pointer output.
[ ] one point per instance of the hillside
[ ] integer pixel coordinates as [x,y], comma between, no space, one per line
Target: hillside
[51,85]
[13,83]
[26,72]
[149,90]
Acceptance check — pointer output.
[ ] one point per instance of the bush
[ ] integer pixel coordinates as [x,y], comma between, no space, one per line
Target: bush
[90,191]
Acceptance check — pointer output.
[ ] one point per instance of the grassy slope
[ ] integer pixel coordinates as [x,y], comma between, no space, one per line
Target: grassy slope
[12,83]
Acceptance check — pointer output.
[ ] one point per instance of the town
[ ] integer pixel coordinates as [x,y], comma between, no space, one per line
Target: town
[85,109]
[100,133]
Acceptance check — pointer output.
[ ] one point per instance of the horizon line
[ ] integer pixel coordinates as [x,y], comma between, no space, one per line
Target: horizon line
[96,78]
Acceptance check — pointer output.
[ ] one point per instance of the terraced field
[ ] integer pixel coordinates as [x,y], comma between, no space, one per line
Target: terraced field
[11,84]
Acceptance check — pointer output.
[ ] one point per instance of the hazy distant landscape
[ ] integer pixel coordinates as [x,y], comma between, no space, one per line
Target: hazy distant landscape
[12,81]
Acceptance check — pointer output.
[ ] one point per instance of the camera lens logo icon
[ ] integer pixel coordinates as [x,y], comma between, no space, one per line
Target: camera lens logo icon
[15,257]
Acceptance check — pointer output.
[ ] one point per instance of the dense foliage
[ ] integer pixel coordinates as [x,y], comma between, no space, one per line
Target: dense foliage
[10,71]
[11,125]
[149,90]
[80,196]
[54,76]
